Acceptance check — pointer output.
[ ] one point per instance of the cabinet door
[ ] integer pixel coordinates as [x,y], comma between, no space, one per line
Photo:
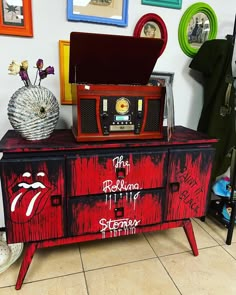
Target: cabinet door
[189,175]
[33,193]
[116,215]
[116,172]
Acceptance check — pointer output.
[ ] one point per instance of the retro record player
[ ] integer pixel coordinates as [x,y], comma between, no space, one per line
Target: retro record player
[111,96]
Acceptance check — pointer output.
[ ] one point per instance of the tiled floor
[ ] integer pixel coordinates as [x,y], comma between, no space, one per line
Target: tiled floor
[149,264]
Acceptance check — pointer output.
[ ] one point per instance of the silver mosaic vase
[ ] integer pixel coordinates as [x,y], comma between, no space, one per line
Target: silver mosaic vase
[33,112]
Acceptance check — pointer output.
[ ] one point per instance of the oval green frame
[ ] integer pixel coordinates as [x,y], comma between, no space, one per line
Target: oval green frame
[199,7]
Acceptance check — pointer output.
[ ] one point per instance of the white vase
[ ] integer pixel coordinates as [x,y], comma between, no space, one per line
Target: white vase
[33,112]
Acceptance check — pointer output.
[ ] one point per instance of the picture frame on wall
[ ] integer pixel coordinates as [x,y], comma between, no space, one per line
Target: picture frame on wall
[162,79]
[152,25]
[65,86]
[197,25]
[165,79]
[110,12]
[16,18]
[177,4]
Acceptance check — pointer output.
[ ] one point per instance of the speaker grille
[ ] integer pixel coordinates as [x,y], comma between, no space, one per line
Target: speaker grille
[153,115]
[88,116]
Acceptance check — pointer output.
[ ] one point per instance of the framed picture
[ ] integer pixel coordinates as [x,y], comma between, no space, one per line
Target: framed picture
[110,12]
[177,4]
[65,86]
[198,24]
[166,79]
[151,25]
[16,18]
[162,79]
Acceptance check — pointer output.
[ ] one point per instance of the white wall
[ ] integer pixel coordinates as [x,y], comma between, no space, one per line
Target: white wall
[50,25]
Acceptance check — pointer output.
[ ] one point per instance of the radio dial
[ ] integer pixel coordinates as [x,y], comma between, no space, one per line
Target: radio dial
[122,106]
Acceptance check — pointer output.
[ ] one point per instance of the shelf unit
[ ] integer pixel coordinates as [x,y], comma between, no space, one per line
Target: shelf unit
[217,204]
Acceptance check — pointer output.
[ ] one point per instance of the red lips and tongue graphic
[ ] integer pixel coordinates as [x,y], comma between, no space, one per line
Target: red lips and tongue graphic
[27,200]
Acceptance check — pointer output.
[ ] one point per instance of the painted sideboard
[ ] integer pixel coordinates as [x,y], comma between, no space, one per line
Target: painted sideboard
[58,191]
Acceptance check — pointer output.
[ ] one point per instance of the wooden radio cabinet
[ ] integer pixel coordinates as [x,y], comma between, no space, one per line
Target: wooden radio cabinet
[58,191]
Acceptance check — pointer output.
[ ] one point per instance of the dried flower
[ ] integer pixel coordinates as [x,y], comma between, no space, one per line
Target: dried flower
[16,68]
[50,70]
[39,64]
[24,65]
[24,75]
[43,74]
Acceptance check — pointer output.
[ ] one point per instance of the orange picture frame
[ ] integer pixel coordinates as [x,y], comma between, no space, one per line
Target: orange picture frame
[65,86]
[16,18]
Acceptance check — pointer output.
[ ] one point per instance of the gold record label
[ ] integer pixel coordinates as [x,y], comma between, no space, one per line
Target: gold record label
[122,105]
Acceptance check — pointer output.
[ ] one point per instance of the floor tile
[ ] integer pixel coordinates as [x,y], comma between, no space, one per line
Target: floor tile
[9,276]
[215,229]
[210,273]
[174,240]
[110,252]
[55,261]
[46,263]
[231,249]
[68,285]
[139,278]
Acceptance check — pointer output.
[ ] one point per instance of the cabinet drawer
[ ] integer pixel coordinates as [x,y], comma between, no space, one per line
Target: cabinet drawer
[114,173]
[116,215]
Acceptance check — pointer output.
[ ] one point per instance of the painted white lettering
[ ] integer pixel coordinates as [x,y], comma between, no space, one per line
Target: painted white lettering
[120,185]
[118,224]
[130,197]
[118,162]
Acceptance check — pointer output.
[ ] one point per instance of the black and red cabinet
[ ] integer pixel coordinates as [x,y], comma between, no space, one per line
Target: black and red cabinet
[58,191]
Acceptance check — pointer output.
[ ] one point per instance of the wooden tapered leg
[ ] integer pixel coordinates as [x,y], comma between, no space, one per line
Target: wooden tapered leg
[29,253]
[188,228]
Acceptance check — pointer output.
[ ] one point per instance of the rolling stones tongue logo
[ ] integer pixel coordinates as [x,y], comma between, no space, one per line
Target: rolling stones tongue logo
[28,198]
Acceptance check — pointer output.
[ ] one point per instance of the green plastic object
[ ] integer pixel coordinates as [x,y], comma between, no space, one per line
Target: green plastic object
[197,25]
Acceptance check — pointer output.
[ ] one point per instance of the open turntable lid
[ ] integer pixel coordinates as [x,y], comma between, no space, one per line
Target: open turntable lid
[112,59]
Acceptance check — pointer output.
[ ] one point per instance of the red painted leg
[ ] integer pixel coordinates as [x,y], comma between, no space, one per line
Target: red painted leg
[188,228]
[29,253]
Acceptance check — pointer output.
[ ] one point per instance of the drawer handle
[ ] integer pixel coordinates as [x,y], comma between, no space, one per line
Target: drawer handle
[120,173]
[119,212]
[174,187]
[56,200]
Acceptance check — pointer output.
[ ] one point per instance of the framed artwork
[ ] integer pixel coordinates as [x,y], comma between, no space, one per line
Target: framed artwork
[162,79]
[177,4]
[198,24]
[165,79]
[110,12]
[16,18]
[65,86]
[151,25]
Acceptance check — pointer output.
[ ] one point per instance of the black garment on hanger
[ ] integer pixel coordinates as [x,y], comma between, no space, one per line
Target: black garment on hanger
[214,60]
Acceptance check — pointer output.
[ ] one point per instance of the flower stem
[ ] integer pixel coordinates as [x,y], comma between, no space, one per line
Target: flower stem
[36,77]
